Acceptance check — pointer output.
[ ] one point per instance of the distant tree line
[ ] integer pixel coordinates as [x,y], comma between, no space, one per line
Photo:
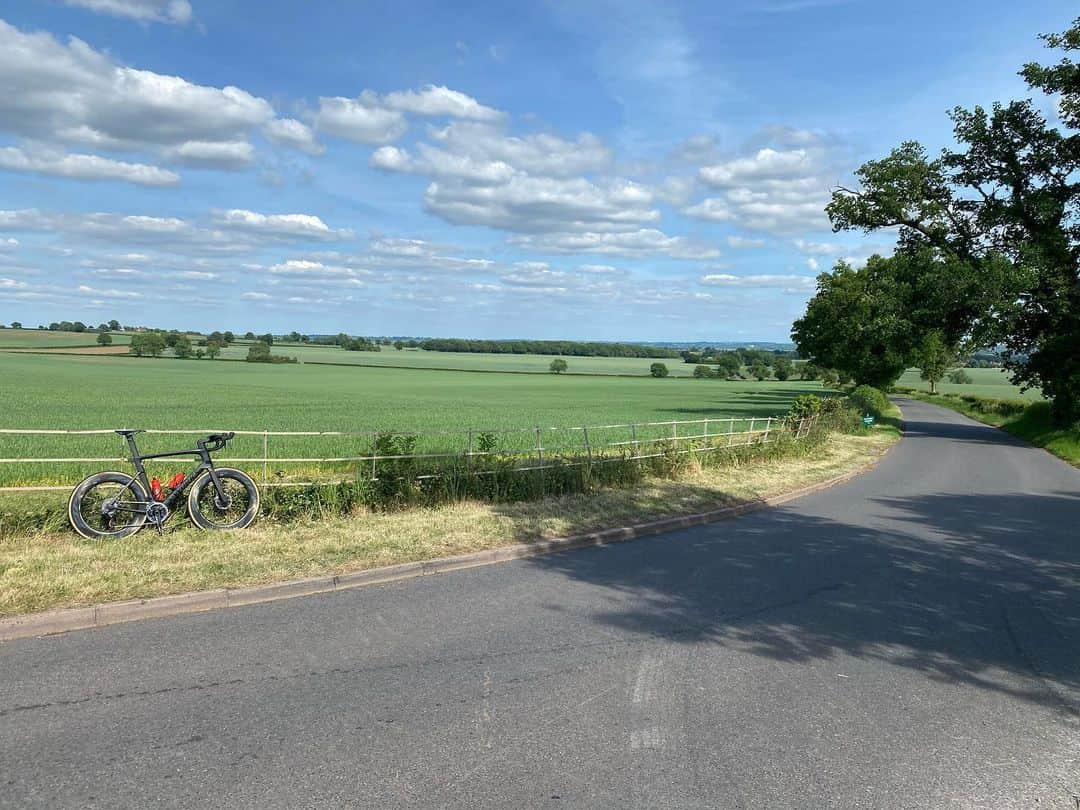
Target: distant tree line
[569,348]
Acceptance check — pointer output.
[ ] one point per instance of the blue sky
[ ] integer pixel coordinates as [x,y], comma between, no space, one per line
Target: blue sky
[614,170]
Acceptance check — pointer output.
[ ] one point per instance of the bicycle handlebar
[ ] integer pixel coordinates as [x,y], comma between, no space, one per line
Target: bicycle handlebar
[215,441]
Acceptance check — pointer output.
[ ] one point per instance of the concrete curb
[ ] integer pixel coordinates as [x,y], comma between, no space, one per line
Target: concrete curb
[67,619]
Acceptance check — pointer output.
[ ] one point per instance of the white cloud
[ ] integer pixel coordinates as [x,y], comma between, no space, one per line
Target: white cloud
[310,269]
[779,188]
[75,94]
[767,164]
[600,269]
[85,290]
[290,132]
[85,167]
[229,155]
[710,209]
[539,153]
[255,296]
[303,226]
[436,100]
[641,242]
[817,248]
[787,283]
[543,204]
[391,159]
[176,12]
[812,263]
[362,119]
[740,242]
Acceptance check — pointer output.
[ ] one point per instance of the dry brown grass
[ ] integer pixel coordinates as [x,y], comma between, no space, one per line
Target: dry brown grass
[44,571]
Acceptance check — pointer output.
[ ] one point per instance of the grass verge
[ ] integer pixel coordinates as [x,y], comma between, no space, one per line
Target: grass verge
[51,569]
[1029,421]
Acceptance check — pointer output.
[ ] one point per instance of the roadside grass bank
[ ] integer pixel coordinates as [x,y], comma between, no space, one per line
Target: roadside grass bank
[52,569]
[1026,420]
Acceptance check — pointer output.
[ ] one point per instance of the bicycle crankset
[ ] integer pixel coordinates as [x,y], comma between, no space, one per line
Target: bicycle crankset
[157,513]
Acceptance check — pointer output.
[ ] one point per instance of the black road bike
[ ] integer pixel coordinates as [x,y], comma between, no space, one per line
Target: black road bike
[115,504]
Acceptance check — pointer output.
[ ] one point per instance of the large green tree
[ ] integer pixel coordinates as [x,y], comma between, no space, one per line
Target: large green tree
[1002,211]
[856,323]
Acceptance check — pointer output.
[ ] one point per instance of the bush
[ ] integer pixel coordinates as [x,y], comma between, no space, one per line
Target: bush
[260,353]
[558,366]
[658,370]
[805,406]
[869,400]
[703,372]
[959,377]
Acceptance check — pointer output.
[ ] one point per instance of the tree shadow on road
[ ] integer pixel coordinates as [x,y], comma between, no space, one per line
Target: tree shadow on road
[975,589]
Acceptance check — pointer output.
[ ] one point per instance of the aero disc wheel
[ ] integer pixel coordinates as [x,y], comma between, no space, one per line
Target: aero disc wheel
[238,512]
[108,505]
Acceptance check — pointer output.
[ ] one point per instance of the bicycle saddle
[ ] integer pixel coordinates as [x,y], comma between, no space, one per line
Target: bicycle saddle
[128,432]
[220,437]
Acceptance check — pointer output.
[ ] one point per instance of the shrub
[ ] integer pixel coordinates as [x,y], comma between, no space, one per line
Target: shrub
[558,366]
[658,370]
[104,339]
[260,353]
[805,406]
[869,400]
[703,372]
[959,377]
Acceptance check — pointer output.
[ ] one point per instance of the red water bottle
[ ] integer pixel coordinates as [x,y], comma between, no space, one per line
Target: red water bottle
[155,490]
[176,480]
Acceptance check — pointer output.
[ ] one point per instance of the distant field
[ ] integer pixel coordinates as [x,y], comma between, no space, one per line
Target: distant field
[416,358]
[44,339]
[104,392]
[986,382]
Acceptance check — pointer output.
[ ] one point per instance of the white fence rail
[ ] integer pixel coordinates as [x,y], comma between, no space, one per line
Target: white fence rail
[534,448]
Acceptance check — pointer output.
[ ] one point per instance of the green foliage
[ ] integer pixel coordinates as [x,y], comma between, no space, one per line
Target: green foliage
[259,352]
[104,339]
[567,347]
[960,377]
[934,358]
[869,400]
[703,372]
[147,344]
[558,366]
[810,371]
[182,347]
[782,368]
[728,364]
[1000,211]
[759,371]
[804,406]
[658,370]
[855,323]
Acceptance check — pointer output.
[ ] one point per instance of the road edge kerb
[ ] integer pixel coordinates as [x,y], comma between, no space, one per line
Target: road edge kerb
[85,618]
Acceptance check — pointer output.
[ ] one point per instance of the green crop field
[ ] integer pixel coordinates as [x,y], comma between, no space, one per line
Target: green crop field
[986,382]
[44,339]
[91,392]
[417,358]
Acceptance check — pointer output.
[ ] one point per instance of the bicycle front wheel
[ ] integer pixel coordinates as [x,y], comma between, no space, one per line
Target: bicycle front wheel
[108,505]
[239,508]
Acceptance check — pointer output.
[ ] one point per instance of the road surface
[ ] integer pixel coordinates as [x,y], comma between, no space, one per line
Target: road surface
[907,640]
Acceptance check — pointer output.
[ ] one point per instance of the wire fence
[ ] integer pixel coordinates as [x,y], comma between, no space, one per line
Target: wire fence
[42,460]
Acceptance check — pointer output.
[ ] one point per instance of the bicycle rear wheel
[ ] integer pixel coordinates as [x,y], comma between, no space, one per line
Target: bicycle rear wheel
[238,511]
[108,505]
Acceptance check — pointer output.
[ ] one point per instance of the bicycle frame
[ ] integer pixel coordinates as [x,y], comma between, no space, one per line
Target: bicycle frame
[206,463]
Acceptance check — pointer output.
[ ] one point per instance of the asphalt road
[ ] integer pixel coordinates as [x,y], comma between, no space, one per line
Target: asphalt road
[907,640]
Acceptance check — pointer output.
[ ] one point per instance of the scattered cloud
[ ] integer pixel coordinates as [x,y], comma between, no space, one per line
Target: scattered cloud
[786,283]
[175,12]
[637,243]
[290,132]
[742,242]
[303,226]
[777,188]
